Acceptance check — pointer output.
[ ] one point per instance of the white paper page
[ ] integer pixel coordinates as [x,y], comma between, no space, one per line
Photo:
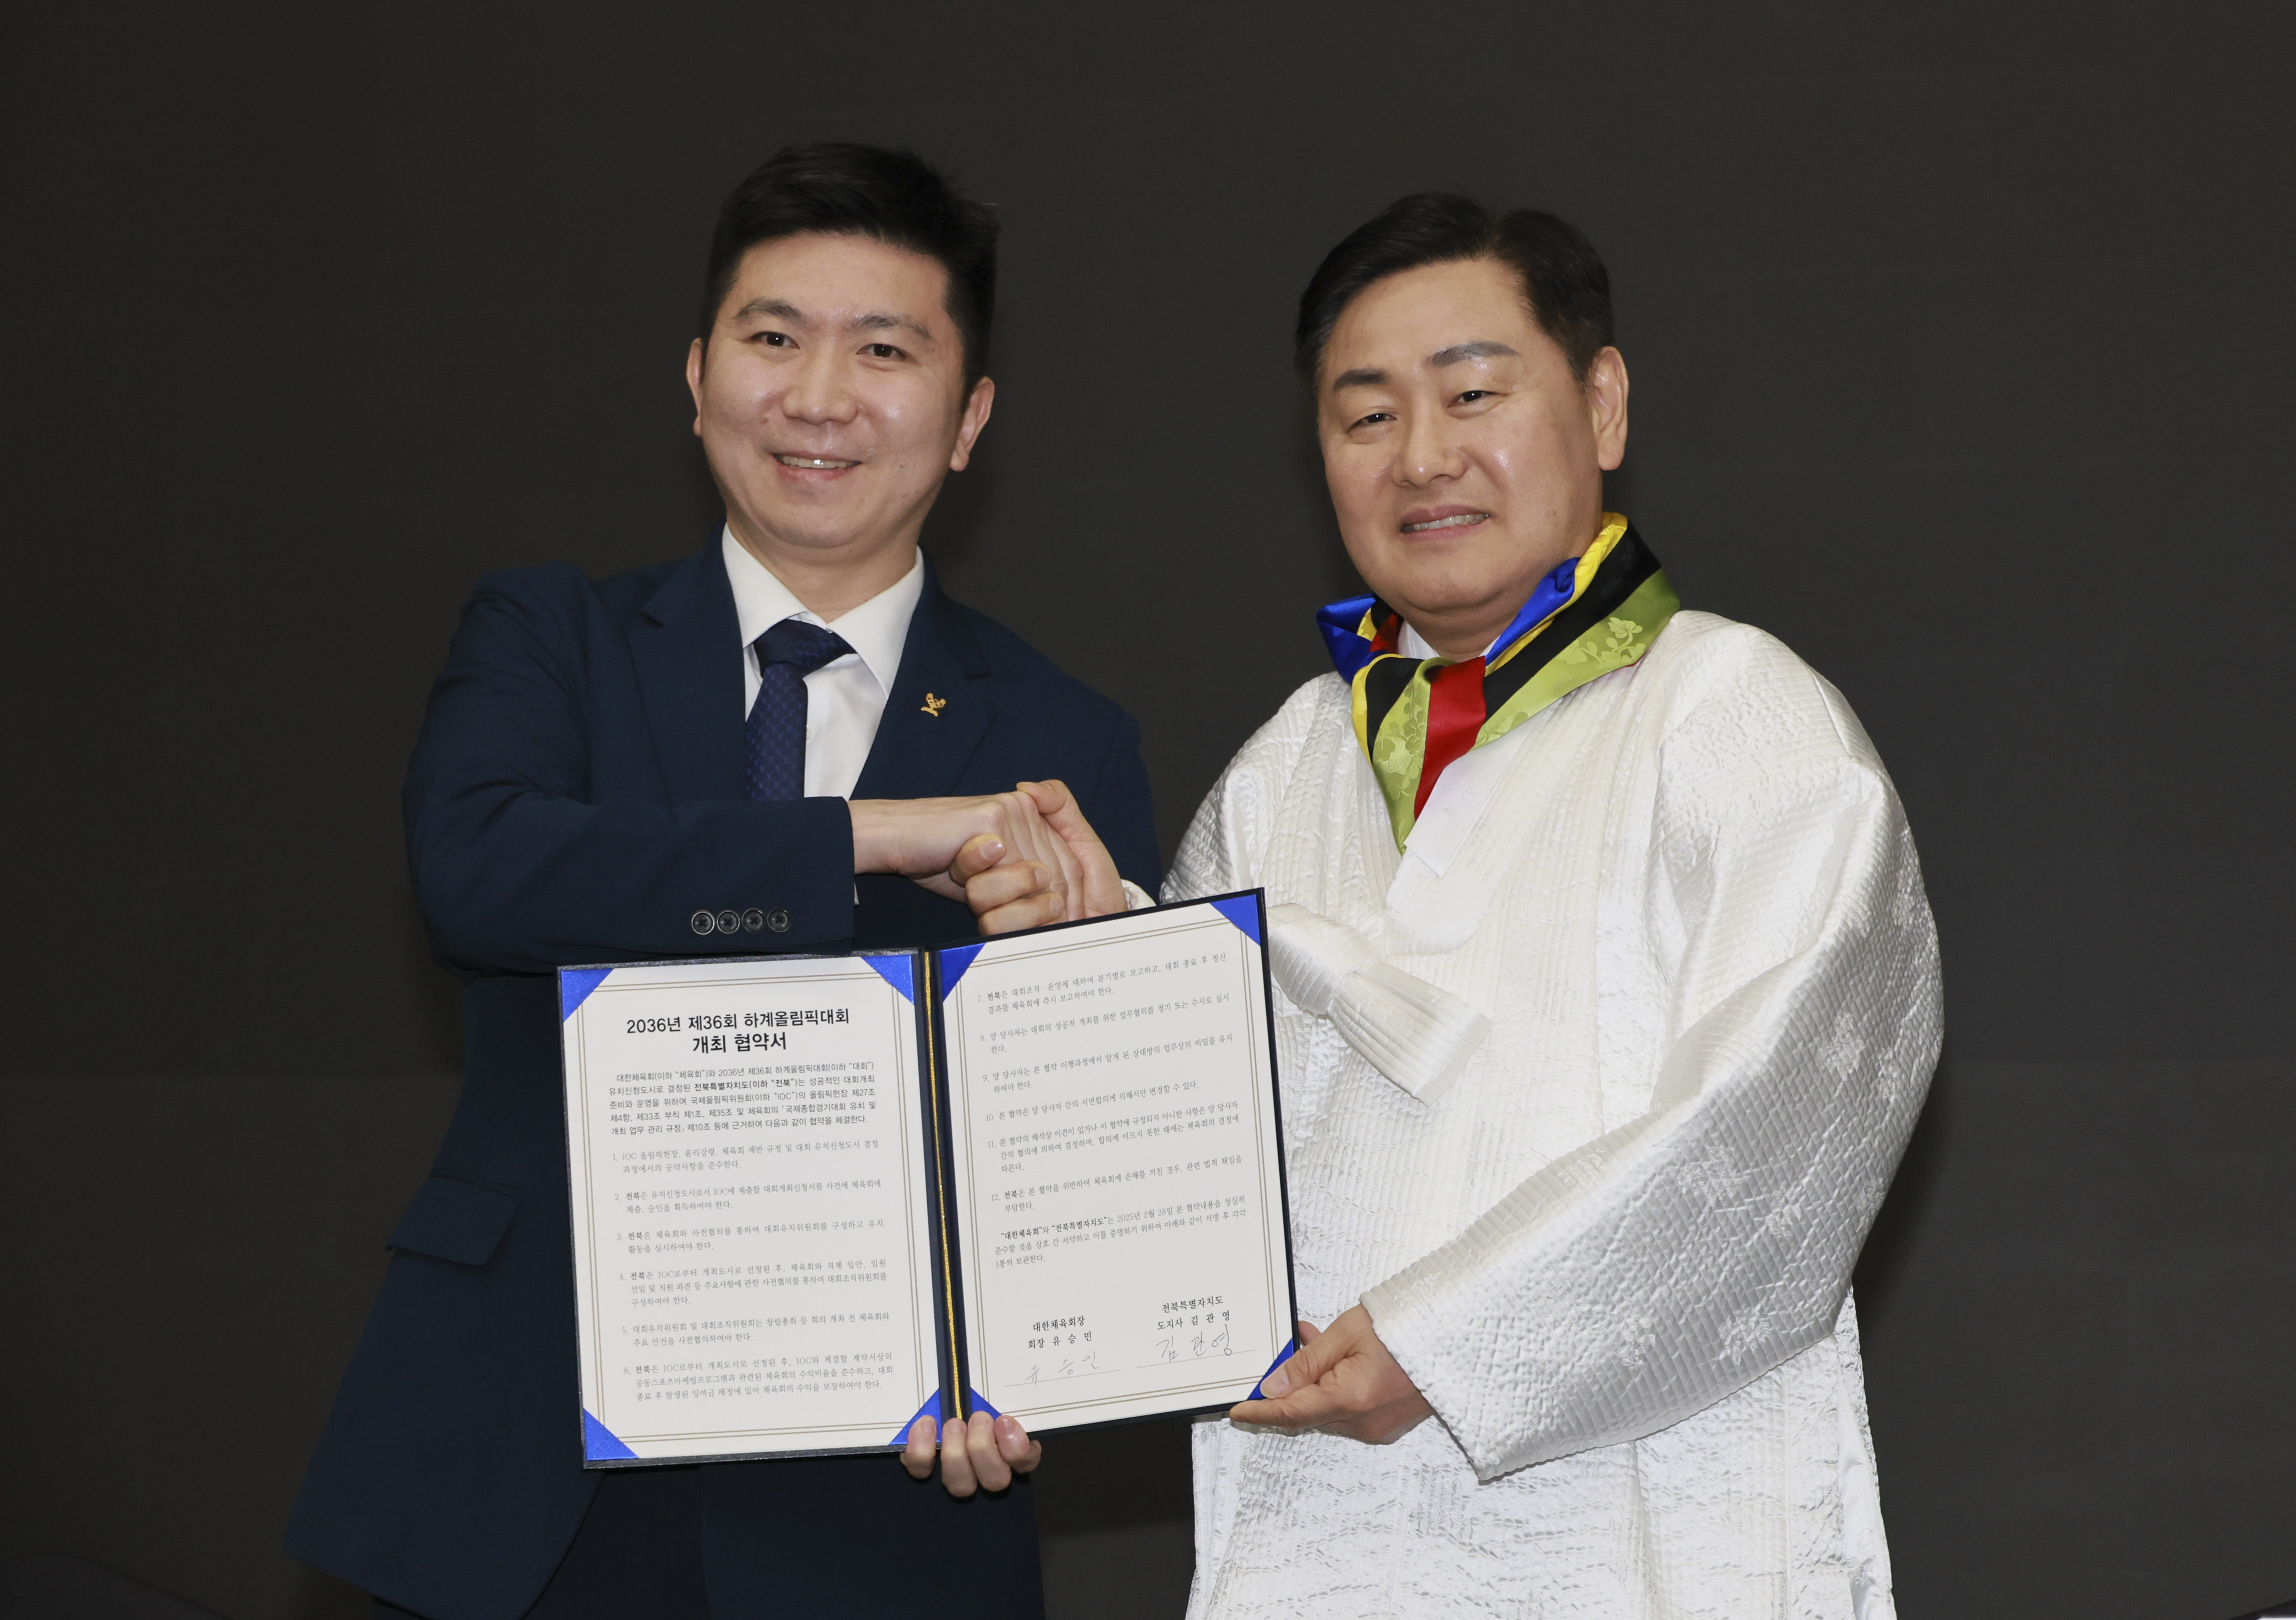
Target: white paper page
[1117,1158]
[750,1199]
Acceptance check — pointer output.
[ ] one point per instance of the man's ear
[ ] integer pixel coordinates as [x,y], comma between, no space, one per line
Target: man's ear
[694,381]
[977,406]
[1605,391]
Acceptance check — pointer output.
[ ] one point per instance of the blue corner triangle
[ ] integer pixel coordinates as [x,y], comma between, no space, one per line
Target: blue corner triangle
[1282,1356]
[900,971]
[954,961]
[575,985]
[930,1408]
[972,1398]
[1243,911]
[598,1442]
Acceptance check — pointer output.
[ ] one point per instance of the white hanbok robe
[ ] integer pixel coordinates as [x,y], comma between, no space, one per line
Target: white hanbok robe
[1615,1252]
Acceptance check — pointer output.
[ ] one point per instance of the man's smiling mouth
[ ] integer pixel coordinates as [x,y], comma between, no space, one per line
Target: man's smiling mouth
[814,464]
[1462,520]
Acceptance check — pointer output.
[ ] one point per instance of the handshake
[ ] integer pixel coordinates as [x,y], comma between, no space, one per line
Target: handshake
[1019,859]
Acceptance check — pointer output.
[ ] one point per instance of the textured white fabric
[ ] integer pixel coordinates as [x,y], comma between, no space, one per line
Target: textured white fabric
[1455,804]
[1310,955]
[1417,1034]
[1616,1255]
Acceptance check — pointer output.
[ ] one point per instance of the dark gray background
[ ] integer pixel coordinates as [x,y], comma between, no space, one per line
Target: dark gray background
[1960,336]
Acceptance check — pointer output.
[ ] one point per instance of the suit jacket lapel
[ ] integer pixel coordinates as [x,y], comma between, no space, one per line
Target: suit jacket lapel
[688,651]
[939,709]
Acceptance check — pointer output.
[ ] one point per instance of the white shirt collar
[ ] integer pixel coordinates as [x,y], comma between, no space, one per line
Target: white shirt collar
[1411,643]
[876,631]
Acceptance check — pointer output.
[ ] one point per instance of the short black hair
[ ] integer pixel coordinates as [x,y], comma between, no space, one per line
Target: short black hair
[839,188]
[1562,277]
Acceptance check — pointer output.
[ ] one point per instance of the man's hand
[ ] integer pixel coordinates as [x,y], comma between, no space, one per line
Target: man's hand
[978,1455]
[1340,1381]
[922,838]
[1067,874]
[1019,859]
[1099,890]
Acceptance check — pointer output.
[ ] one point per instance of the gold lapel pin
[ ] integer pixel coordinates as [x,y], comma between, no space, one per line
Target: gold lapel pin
[934,705]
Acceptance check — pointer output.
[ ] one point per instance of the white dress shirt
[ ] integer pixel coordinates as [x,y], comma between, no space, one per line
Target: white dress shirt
[845,698]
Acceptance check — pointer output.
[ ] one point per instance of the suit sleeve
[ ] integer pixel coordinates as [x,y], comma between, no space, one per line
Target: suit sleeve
[517,869]
[1642,1277]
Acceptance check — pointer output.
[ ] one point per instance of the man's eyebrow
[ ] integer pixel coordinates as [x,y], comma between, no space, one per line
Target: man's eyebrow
[1484,349]
[879,321]
[1370,376]
[779,308]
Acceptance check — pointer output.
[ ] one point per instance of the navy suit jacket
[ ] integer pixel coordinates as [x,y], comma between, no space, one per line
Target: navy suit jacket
[578,795]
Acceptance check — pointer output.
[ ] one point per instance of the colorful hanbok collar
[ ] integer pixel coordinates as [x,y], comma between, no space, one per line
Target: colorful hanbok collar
[1414,716]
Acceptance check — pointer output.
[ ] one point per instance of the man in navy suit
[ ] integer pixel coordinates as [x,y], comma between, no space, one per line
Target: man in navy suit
[793,741]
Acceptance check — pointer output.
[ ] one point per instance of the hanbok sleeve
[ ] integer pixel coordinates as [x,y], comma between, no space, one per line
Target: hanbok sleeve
[1217,850]
[1669,1263]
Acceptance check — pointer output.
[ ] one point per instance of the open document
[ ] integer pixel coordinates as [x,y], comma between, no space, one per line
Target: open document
[818,1197]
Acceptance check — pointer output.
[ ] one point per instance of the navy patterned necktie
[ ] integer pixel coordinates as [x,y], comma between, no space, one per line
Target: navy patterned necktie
[786,655]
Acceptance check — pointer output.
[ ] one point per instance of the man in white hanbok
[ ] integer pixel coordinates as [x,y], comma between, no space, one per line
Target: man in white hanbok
[1610,996]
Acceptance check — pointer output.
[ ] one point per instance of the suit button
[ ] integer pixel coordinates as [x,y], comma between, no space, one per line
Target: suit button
[729,922]
[777,920]
[703,922]
[753,919]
